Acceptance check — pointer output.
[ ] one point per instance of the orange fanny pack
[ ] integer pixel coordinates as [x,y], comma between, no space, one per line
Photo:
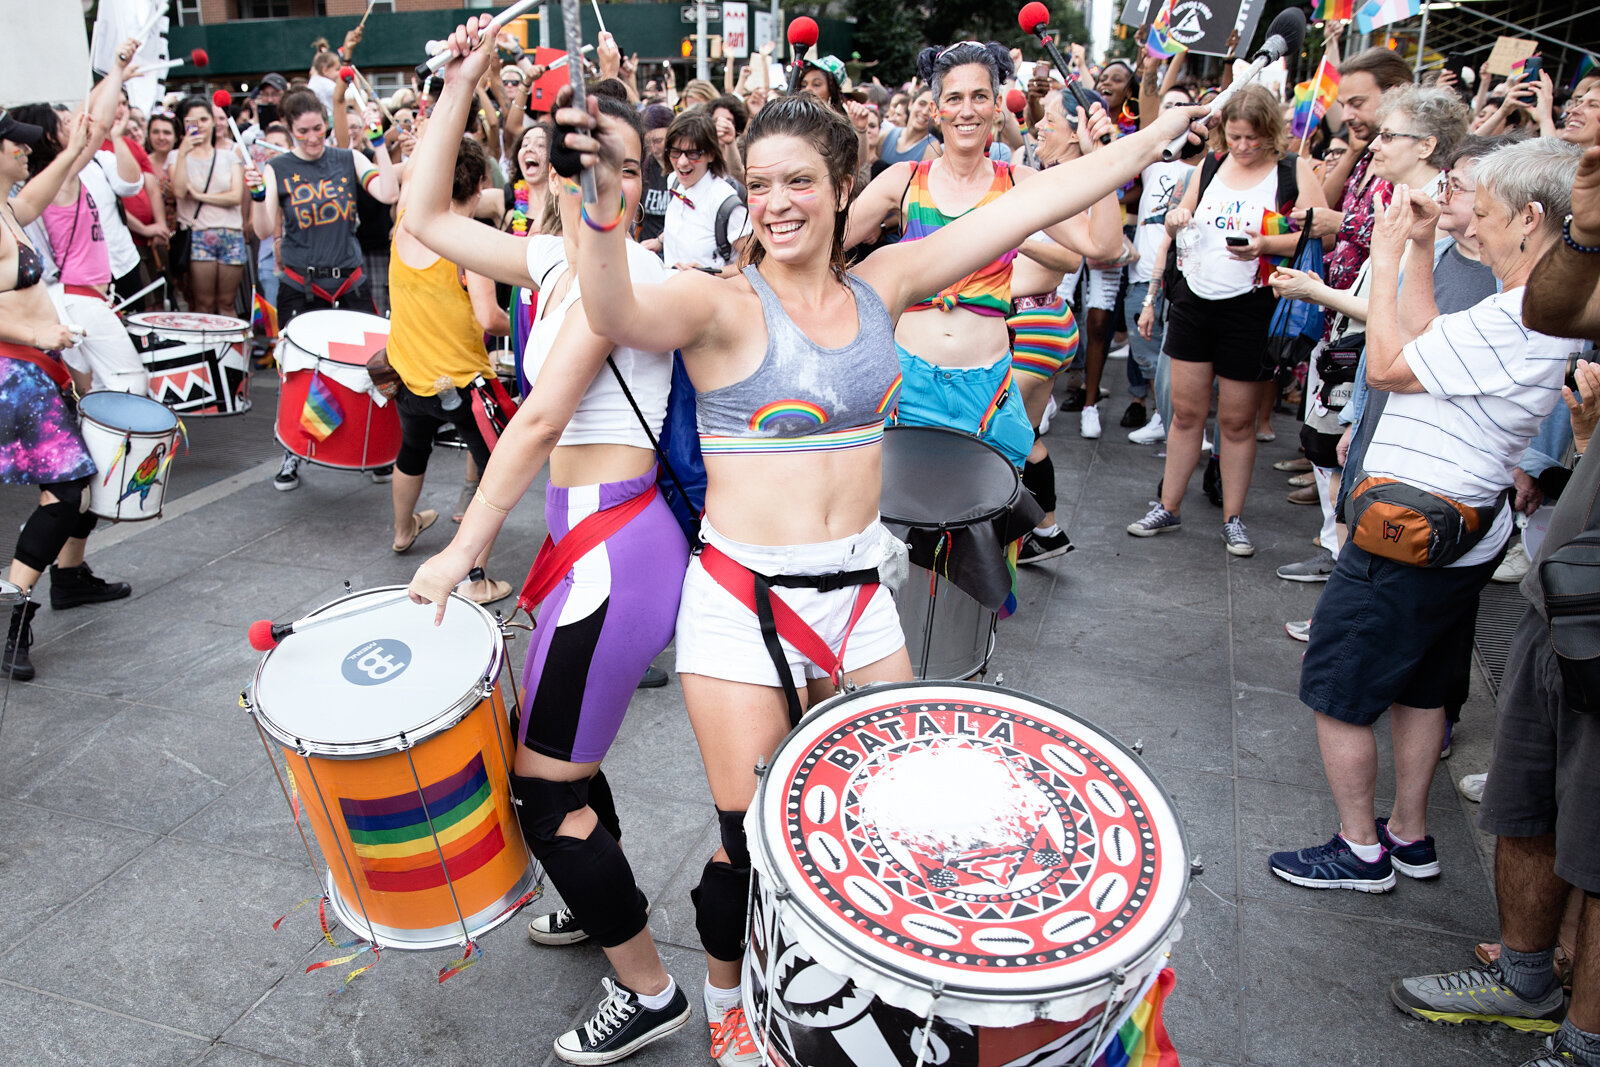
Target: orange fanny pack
[1399,521]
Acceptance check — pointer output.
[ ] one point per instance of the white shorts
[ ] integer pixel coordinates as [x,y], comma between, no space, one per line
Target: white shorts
[719,637]
[106,352]
[1100,291]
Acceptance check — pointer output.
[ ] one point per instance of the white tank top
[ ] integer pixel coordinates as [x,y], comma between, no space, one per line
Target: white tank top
[1224,211]
[604,415]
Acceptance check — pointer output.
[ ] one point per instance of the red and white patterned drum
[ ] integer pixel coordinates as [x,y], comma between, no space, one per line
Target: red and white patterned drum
[198,364]
[961,854]
[332,347]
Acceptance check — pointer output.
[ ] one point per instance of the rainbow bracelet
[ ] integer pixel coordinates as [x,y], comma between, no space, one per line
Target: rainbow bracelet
[583,211]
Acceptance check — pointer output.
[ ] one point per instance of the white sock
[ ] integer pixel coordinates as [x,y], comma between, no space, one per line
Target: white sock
[1366,853]
[662,999]
[1050,531]
[719,1001]
[1396,838]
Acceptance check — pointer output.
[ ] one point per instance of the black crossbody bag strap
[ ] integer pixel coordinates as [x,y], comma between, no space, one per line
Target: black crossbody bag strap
[645,425]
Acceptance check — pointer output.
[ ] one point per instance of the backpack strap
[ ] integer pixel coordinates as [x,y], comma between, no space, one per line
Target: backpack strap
[1288,183]
[725,212]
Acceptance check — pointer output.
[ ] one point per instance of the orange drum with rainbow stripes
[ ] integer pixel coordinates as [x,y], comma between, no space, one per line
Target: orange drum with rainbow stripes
[399,748]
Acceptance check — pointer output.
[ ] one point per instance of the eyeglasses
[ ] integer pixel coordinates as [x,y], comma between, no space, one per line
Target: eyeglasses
[1334,153]
[1454,188]
[693,155]
[1388,136]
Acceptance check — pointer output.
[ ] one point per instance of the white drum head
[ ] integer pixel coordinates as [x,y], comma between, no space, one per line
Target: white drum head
[971,836]
[376,670]
[189,322]
[350,337]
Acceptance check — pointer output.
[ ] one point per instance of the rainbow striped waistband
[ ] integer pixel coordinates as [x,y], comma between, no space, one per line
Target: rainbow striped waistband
[835,441]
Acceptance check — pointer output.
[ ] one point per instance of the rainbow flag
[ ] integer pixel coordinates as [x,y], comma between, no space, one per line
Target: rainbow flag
[1141,1040]
[1518,67]
[1586,66]
[1313,98]
[1378,13]
[322,413]
[264,317]
[1333,11]
[1160,42]
[1272,225]
[396,845]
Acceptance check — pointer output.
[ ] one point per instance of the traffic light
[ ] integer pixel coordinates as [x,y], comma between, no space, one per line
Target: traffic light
[687,47]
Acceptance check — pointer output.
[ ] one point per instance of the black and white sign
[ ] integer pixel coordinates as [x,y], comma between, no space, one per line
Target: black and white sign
[1202,26]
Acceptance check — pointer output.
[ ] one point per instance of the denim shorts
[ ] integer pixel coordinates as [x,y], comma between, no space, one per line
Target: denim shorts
[1389,633]
[218,246]
[960,397]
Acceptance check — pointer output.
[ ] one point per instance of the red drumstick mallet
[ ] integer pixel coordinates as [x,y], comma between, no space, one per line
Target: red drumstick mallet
[265,634]
[802,35]
[222,98]
[1032,19]
[1016,102]
[197,57]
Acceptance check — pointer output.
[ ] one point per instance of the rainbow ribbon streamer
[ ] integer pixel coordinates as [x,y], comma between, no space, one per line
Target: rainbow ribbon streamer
[1141,1040]
[322,414]
[116,457]
[469,956]
[1159,42]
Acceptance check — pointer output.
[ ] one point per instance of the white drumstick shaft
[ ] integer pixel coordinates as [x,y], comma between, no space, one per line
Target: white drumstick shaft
[311,622]
[238,143]
[165,64]
[158,283]
[561,61]
[151,24]
[1175,149]
[597,16]
[437,63]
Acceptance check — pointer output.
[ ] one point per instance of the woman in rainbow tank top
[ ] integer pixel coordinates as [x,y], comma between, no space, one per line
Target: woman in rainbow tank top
[955,354]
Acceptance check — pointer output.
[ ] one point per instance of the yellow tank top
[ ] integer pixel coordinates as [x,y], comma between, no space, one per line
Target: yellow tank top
[433,333]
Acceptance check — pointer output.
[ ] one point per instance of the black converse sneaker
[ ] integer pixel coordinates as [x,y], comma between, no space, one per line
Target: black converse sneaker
[621,1026]
[556,928]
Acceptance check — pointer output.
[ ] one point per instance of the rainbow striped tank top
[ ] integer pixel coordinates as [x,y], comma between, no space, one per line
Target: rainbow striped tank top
[987,290]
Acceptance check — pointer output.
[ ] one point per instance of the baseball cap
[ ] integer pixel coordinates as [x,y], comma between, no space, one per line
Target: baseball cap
[19,132]
[275,81]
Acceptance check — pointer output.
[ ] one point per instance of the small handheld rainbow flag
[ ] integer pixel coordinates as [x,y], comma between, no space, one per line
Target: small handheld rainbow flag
[1333,11]
[1141,1040]
[1272,225]
[1313,98]
[264,317]
[1586,66]
[1160,42]
[322,414]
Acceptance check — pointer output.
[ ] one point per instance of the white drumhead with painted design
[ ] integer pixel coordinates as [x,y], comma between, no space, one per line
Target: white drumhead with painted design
[178,323]
[348,337]
[364,677]
[971,836]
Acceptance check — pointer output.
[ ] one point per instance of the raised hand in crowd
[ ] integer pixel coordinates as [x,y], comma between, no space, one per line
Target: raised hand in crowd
[608,55]
[1584,406]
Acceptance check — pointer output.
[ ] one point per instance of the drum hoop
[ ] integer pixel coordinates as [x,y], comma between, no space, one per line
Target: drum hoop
[989,516]
[239,332]
[397,742]
[122,430]
[903,974]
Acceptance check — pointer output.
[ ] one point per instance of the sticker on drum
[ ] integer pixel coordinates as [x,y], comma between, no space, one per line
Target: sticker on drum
[359,682]
[986,841]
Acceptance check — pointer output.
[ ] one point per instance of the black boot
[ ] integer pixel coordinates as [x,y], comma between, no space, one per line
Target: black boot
[72,586]
[19,637]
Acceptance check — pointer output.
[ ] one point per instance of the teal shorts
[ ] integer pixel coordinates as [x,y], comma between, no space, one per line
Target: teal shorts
[982,401]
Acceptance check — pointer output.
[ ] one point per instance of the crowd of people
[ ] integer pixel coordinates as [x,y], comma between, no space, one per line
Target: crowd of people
[968,251]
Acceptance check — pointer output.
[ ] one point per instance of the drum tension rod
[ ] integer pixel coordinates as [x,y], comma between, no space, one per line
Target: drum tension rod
[761,767]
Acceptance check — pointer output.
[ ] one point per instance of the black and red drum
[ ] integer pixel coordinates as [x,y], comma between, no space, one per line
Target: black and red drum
[951,874]
[199,364]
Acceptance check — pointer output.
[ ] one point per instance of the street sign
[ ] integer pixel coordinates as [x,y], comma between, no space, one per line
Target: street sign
[713,12]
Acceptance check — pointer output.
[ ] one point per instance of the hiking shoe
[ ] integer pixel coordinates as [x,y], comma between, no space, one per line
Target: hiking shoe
[1315,569]
[1300,631]
[73,586]
[621,1026]
[1089,426]
[1477,995]
[1333,866]
[731,1042]
[288,476]
[1134,416]
[1150,432]
[1552,1058]
[556,928]
[1157,520]
[1237,538]
[1416,860]
[1038,547]
[1471,786]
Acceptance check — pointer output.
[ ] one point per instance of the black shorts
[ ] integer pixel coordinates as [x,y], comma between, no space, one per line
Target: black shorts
[1321,448]
[1389,633]
[1542,772]
[1230,334]
[420,419]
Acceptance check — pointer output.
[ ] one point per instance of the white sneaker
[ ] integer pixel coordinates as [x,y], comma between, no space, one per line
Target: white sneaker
[1471,786]
[1050,409]
[1150,432]
[1205,443]
[1119,352]
[1090,426]
[1514,567]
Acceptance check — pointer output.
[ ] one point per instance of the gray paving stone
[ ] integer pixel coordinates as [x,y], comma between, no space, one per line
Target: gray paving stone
[224,1055]
[40,1029]
[127,652]
[1202,1011]
[253,817]
[41,718]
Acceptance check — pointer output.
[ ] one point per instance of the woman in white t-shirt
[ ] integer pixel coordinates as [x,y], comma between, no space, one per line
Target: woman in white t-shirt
[1219,310]
[696,193]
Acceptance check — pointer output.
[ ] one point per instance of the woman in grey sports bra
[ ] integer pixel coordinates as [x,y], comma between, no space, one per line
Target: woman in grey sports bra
[782,510]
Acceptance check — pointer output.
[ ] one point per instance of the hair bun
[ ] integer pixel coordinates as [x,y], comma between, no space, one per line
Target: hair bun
[925,61]
[1002,60]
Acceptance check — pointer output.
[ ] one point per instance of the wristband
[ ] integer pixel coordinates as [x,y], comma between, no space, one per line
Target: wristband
[583,211]
[258,196]
[1566,235]
[477,494]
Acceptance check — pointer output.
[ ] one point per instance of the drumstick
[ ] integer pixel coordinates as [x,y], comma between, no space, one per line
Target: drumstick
[561,61]
[436,63]
[597,16]
[373,93]
[266,634]
[572,30]
[363,22]
[150,25]
[158,283]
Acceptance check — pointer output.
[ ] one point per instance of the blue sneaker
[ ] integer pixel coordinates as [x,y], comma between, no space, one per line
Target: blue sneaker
[1416,860]
[1333,866]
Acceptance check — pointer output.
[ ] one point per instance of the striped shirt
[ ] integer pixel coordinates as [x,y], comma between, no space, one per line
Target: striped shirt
[1490,381]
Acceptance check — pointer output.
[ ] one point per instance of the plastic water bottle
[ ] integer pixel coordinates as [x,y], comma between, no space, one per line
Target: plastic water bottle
[1187,238]
[449,396]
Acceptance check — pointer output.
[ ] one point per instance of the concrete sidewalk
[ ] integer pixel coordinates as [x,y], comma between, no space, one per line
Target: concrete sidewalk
[147,848]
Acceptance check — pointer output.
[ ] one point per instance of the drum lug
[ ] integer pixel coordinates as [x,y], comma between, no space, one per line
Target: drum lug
[1138,747]
[848,686]
[761,767]
[1197,866]
[244,702]
[405,742]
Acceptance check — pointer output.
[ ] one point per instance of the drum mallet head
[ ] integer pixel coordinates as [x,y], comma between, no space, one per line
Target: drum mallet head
[265,634]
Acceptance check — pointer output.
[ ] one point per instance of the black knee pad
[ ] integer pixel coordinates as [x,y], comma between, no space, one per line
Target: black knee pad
[603,805]
[1040,480]
[69,492]
[730,825]
[87,521]
[720,903]
[46,531]
[542,805]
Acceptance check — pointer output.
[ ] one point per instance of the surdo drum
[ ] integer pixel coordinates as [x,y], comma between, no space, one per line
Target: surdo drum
[398,748]
[322,356]
[131,440]
[198,364]
[951,874]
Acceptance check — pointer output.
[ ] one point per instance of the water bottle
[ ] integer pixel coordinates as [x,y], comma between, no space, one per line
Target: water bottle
[449,396]
[1187,239]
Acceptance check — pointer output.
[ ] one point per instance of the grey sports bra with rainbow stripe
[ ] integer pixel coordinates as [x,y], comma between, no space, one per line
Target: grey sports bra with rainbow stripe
[805,397]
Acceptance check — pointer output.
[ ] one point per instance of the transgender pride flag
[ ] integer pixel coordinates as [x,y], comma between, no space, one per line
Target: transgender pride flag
[1376,14]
